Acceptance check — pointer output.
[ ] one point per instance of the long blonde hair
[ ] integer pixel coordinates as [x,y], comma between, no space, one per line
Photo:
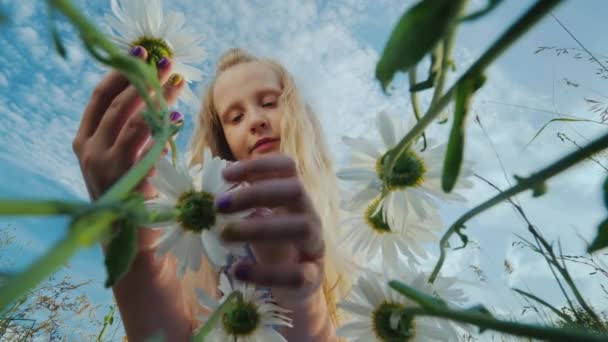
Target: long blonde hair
[302,139]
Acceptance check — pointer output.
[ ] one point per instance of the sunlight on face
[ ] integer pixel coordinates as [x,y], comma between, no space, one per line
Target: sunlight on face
[247,101]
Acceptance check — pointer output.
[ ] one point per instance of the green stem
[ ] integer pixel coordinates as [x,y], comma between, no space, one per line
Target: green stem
[40,208]
[412,74]
[521,26]
[129,181]
[524,184]
[508,327]
[81,233]
[217,314]
[446,59]
[131,67]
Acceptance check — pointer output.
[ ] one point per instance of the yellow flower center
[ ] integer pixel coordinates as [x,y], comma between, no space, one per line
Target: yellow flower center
[381,319]
[157,48]
[408,172]
[196,211]
[241,319]
[374,219]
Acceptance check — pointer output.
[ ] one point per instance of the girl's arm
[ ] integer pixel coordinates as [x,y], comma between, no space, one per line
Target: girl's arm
[310,321]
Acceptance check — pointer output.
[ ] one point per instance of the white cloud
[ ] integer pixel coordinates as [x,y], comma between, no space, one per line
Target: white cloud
[323,44]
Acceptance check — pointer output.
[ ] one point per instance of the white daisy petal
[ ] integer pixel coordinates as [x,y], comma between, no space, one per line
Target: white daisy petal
[216,252]
[134,20]
[362,145]
[385,126]
[356,174]
[372,288]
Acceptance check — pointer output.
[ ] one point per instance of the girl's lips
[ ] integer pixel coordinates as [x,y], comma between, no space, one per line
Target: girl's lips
[265,146]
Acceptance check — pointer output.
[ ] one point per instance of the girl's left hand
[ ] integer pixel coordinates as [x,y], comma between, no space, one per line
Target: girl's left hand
[287,244]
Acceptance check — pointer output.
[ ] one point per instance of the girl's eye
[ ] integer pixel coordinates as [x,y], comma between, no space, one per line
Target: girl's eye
[268,104]
[236,118]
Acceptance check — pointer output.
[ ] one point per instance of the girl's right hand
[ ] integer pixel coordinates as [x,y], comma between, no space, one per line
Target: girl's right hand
[113,135]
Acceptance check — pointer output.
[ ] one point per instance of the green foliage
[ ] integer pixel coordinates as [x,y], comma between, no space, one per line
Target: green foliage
[121,252]
[416,33]
[455,150]
[601,240]
[492,4]
[580,318]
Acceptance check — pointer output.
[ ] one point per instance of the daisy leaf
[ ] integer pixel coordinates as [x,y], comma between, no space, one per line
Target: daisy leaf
[601,240]
[478,14]
[57,41]
[454,153]
[480,309]
[606,193]
[121,252]
[416,33]
[3,18]
[538,190]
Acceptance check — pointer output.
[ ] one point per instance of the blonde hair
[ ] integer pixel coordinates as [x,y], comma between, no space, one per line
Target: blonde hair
[303,140]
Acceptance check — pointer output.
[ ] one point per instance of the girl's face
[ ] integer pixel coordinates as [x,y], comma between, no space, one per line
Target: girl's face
[246,98]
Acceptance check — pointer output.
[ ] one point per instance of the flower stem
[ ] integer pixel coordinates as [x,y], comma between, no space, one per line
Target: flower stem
[521,26]
[40,208]
[513,328]
[412,75]
[92,225]
[522,185]
[83,232]
[217,314]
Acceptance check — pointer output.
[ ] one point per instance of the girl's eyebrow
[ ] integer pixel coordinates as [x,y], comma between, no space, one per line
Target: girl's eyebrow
[262,92]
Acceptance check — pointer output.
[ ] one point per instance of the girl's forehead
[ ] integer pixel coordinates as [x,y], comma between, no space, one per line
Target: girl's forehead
[243,78]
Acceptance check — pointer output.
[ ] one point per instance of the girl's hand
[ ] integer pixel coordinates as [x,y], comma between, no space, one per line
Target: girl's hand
[288,243]
[112,133]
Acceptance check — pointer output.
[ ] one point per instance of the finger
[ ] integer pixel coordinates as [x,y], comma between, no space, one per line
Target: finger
[124,106]
[274,166]
[293,276]
[136,130]
[296,228]
[268,193]
[109,87]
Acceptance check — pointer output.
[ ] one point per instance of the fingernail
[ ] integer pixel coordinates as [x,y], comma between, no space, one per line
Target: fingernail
[163,63]
[137,51]
[176,116]
[223,202]
[176,79]
[242,272]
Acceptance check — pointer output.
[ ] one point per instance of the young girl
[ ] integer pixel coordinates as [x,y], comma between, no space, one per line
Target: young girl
[252,113]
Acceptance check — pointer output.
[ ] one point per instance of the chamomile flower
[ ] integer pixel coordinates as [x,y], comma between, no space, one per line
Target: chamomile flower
[191,193]
[368,234]
[143,23]
[414,184]
[375,310]
[249,320]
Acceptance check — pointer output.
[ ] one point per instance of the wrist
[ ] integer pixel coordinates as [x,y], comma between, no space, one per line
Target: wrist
[310,319]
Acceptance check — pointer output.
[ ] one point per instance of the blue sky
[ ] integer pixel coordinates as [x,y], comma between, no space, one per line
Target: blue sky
[331,48]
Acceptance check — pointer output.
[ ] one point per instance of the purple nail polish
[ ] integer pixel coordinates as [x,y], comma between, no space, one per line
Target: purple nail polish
[163,63]
[242,272]
[137,51]
[176,116]
[223,202]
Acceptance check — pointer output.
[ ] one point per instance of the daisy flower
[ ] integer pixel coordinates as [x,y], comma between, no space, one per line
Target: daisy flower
[414,185]
[250,320]
[375,308]
[191,194]
[143,23]
[369,234]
